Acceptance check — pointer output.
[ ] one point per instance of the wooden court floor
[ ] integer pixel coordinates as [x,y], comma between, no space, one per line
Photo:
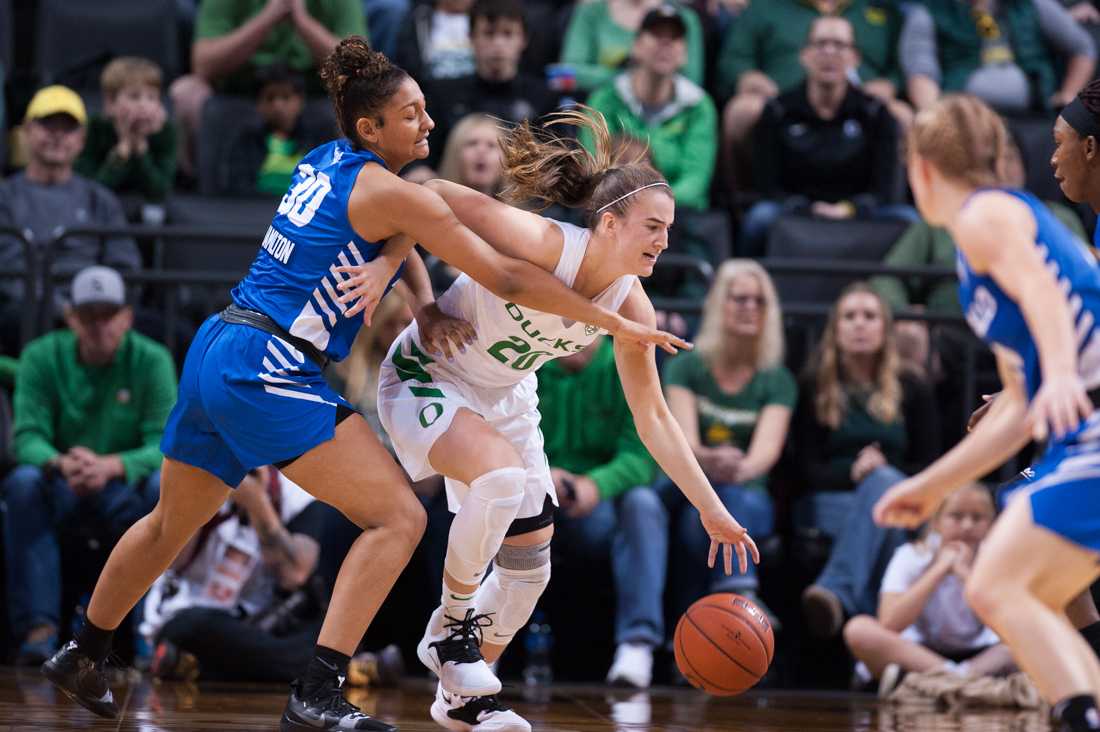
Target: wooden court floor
[29,703]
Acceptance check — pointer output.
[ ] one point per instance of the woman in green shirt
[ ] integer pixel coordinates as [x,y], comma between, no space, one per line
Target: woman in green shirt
[733,399]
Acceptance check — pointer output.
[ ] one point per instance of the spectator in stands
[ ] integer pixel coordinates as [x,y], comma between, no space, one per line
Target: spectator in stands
[733,399]
[763,55]
[598,463]
[385,19]
[654,102]
[600,40]
[434,42]
[90,406]
[237,604]
[997,50]
[132,147]
[861,425]
[825,147]
[234,38]
[47,196]
[923,621]
[266,152]
[472,155]
[496,86]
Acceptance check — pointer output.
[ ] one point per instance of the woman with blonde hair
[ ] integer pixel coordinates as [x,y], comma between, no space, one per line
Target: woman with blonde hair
[471,156]
[862,424]
[1031,292]
[732,397]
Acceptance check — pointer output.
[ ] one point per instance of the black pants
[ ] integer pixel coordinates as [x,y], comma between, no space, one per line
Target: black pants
[229,649]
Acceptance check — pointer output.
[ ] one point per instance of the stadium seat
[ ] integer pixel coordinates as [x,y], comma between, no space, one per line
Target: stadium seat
[74,39]
[223,120]
[246,219]
[804,237]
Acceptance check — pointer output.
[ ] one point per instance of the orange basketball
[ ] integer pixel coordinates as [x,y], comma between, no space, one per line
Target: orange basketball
[723,644]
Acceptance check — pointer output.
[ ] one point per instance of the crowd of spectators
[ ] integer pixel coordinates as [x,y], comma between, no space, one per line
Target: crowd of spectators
[756,111]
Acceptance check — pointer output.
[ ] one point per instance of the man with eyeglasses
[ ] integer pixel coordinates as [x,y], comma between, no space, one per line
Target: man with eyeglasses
[90,406]
[825,148]
[48,196]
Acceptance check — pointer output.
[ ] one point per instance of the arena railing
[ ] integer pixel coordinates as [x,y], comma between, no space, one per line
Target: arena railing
[169,284]
[28,275]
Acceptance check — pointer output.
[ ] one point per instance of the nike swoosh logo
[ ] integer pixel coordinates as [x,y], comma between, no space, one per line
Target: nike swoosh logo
[107,698]
[319,723]
[341,678]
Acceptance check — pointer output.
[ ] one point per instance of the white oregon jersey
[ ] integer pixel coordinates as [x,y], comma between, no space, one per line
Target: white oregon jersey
[514,341]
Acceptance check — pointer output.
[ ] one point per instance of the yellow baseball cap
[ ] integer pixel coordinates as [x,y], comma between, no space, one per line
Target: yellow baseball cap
[56,99]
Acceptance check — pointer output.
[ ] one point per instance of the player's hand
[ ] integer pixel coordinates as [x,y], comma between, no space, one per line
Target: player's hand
[1060,405]
[442,334]
[725,532]
[978,414]
[906,506]
[628,330]
[364,287]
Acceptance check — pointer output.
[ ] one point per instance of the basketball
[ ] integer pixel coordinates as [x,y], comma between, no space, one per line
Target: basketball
[723,644]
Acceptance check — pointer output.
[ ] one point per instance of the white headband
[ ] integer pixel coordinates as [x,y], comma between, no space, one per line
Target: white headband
[628,195]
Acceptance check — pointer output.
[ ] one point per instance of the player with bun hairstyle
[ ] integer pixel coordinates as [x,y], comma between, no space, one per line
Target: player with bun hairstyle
[252,391]
[1030,290]
[474,416]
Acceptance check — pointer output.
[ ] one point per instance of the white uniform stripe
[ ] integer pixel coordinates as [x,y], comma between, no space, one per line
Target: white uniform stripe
[278,380]
[294,352]
[279,391]
[278,355]
[332,294]
[320,298]
[355,253]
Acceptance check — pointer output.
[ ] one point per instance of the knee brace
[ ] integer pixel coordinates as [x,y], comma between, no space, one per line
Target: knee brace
[479,526]
[520,574]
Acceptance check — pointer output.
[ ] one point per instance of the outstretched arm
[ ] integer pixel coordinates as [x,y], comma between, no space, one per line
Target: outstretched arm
[423,215]
[662,436]
[998,436]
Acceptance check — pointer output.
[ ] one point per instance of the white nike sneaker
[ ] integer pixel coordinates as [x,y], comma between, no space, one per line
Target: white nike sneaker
[454,654]
[633,666]
[475,714]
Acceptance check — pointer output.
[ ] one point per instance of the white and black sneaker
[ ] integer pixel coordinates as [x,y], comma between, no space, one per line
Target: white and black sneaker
[454,654]
[475,713]
[327,710]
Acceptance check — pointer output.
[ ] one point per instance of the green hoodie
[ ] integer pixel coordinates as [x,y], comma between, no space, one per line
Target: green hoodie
[682,136]
[587,425]
[769,35]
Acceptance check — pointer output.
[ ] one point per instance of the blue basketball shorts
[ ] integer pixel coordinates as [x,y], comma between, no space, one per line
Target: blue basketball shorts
[247,398]
[1064,487]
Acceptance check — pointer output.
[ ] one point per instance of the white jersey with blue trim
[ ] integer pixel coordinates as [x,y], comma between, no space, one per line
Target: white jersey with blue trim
[996,318]
[293,278]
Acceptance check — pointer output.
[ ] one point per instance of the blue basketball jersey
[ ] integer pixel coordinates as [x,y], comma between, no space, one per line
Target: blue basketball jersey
[293,278]
[996,318]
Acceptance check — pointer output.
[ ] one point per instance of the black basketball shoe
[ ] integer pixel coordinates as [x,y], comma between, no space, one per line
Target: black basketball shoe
[475,714]
[81,680]
[327,710]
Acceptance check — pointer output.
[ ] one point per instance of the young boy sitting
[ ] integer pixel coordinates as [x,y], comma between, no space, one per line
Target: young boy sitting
[132,147]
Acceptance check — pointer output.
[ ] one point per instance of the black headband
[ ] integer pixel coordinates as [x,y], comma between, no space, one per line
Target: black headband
[1081,119]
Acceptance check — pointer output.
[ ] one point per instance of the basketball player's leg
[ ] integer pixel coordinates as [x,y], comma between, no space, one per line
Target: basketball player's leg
[474,453]
[1023,578]
[521,572]
[354,473]
[878,647]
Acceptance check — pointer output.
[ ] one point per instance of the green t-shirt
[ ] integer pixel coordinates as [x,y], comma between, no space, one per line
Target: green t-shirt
[278,166]
[219,18]
[730,419]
